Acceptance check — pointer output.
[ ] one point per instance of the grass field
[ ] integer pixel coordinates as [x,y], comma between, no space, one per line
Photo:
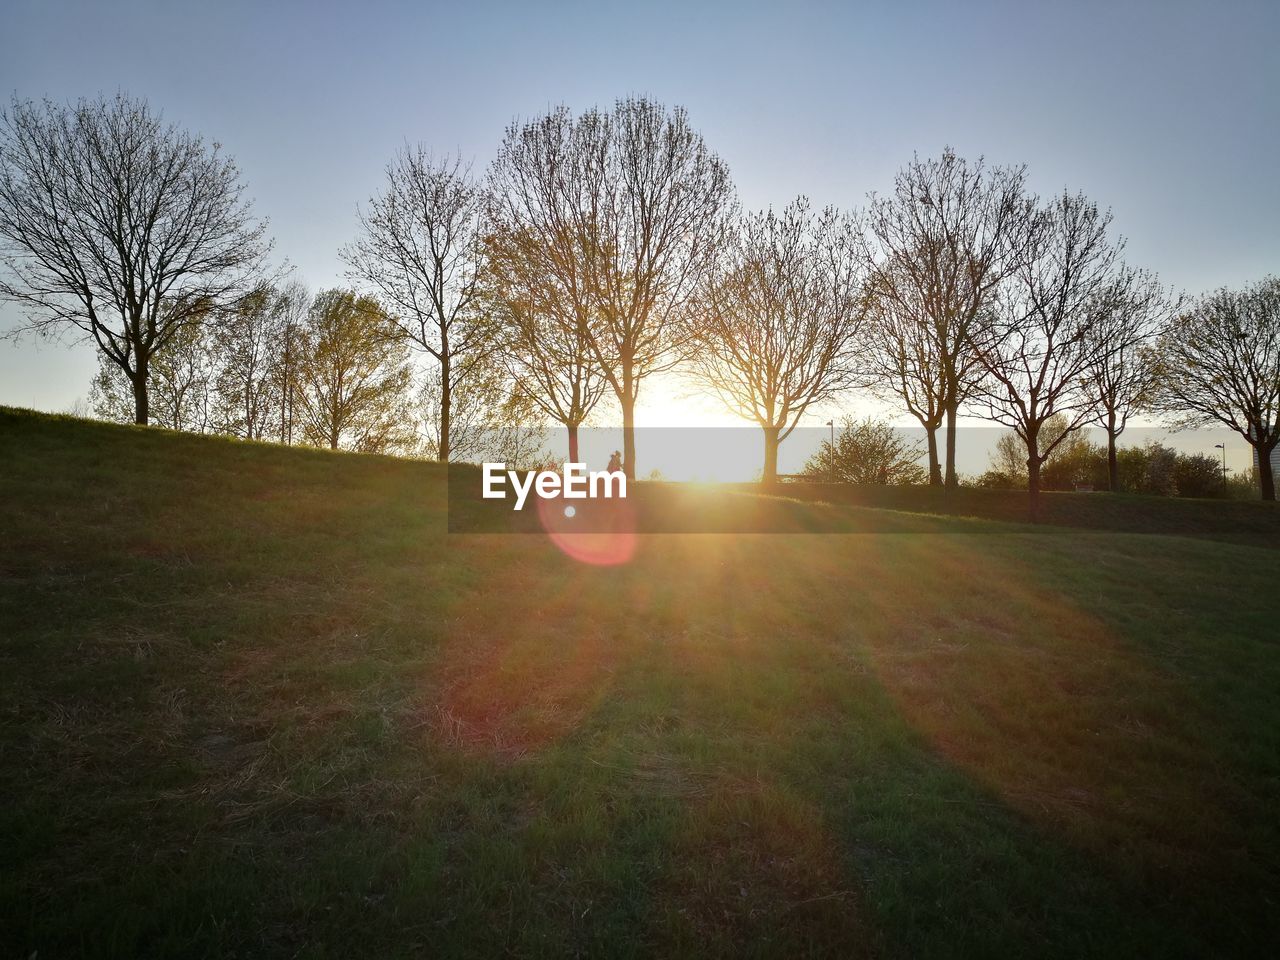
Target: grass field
[256,702]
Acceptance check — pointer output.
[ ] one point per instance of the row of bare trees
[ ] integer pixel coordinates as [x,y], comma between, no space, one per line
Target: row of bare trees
[120,228]
[603,248]
[328,371]
[983,298]
[571,265]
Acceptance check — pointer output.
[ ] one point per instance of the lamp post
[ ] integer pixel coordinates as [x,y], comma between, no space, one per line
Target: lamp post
[1223,448]
[831,456]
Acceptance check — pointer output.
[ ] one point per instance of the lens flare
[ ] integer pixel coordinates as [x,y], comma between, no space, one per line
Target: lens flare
[601,533]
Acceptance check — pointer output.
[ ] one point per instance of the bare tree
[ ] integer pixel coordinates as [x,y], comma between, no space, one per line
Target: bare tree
[488,409]
[776,330]
[355,378]
[544,344]
[941,243]
[1038,339]
[294,305]
[623,208]
[1121,375]
[902,358]
[1220,363]
[420,251]
[247,341]
[118,227]
[181,389]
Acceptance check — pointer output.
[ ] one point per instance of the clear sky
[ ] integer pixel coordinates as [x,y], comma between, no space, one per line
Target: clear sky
[1167,112]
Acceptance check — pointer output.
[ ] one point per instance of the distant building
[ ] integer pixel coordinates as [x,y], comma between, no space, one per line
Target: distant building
[1275,459]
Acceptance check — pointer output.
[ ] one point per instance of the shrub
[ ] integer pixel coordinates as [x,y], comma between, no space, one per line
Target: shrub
[1197,475]
[868,451]
[1000,480]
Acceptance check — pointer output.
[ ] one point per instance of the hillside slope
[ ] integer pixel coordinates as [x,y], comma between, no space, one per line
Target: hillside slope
[256,701]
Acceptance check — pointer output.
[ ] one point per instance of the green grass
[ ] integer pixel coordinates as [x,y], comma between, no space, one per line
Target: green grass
[256,702]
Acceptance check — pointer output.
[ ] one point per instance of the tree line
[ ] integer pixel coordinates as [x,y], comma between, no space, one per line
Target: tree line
[1151,468]
[596,251]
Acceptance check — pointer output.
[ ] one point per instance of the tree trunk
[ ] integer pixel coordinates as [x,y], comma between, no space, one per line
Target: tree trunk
[953,480]
[445,402]
[573,442]
[335,418]
[1266,478]
[935,468]
[141,401]
[1033,487]
[770,475]
[1113,462]
[286,390]
[628,403]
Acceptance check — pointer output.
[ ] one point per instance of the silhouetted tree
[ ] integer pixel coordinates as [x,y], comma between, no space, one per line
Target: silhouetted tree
[490,414]
[623,209]
[181,388]
[1038,338]
[543,343]
[776,329]
[1219,362]
[295,304]
[355,377]
[421,252]
[902,360]
[1122,373]
[120,227]
[250,342]
[941,242]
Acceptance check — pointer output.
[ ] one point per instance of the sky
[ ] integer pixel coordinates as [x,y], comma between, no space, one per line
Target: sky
[1167,112]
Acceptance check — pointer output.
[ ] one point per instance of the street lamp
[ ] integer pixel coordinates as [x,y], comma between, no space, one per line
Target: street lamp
[831,458]
[1223,448]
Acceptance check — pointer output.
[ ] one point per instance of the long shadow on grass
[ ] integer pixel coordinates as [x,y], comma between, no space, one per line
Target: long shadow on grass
[319,724]
[1066,720]
[781,776]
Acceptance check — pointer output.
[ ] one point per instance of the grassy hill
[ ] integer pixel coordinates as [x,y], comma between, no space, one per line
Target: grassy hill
[256,701]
